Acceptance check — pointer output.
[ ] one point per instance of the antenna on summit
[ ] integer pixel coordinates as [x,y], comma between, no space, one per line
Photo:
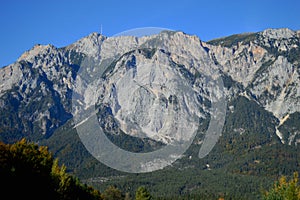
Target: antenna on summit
[101,30]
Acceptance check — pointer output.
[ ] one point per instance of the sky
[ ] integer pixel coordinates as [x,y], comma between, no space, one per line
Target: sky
[24,24]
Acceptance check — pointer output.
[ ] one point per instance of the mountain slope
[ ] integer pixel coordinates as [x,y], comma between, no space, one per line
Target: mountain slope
[140,86]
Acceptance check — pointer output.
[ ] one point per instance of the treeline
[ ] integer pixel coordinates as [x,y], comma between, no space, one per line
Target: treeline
[29,171]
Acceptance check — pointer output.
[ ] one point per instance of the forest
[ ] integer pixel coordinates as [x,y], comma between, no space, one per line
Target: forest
[30,170]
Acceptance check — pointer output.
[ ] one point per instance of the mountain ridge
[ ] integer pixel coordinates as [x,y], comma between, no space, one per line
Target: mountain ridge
[260,75]
[250,56]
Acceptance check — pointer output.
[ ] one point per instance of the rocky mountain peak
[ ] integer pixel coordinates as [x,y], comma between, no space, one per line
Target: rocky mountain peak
[262,66]
[89,45]
[281,33]
[38,49]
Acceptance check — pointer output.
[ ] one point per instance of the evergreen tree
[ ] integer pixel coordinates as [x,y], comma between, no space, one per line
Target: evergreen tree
[112,193]
[142,194]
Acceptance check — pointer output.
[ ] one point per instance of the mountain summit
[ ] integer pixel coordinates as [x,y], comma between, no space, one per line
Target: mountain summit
[233,95]
[36,90]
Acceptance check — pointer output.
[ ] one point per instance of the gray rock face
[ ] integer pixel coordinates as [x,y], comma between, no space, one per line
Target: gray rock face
[147,98]
[268,67]
[152,81]
[241,62]
[151,88]
[283,33]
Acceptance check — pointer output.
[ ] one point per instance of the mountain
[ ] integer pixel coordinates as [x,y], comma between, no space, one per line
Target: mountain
[235,98]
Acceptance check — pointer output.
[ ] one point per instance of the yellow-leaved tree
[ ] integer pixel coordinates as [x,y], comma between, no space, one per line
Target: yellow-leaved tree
[284,189]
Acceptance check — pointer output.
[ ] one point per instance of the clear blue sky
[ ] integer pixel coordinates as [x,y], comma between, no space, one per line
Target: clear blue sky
[25,23]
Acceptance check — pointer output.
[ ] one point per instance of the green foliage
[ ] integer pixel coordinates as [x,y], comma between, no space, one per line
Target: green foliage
[142,194]
[30,170]
[112,193]
[284,189]
[247,158]
[233,40]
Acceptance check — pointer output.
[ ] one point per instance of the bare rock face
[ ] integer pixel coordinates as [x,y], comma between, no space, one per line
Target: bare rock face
[147,98]
[283,33]
[151,88]
[148,83]
[267,65]
[241,62]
